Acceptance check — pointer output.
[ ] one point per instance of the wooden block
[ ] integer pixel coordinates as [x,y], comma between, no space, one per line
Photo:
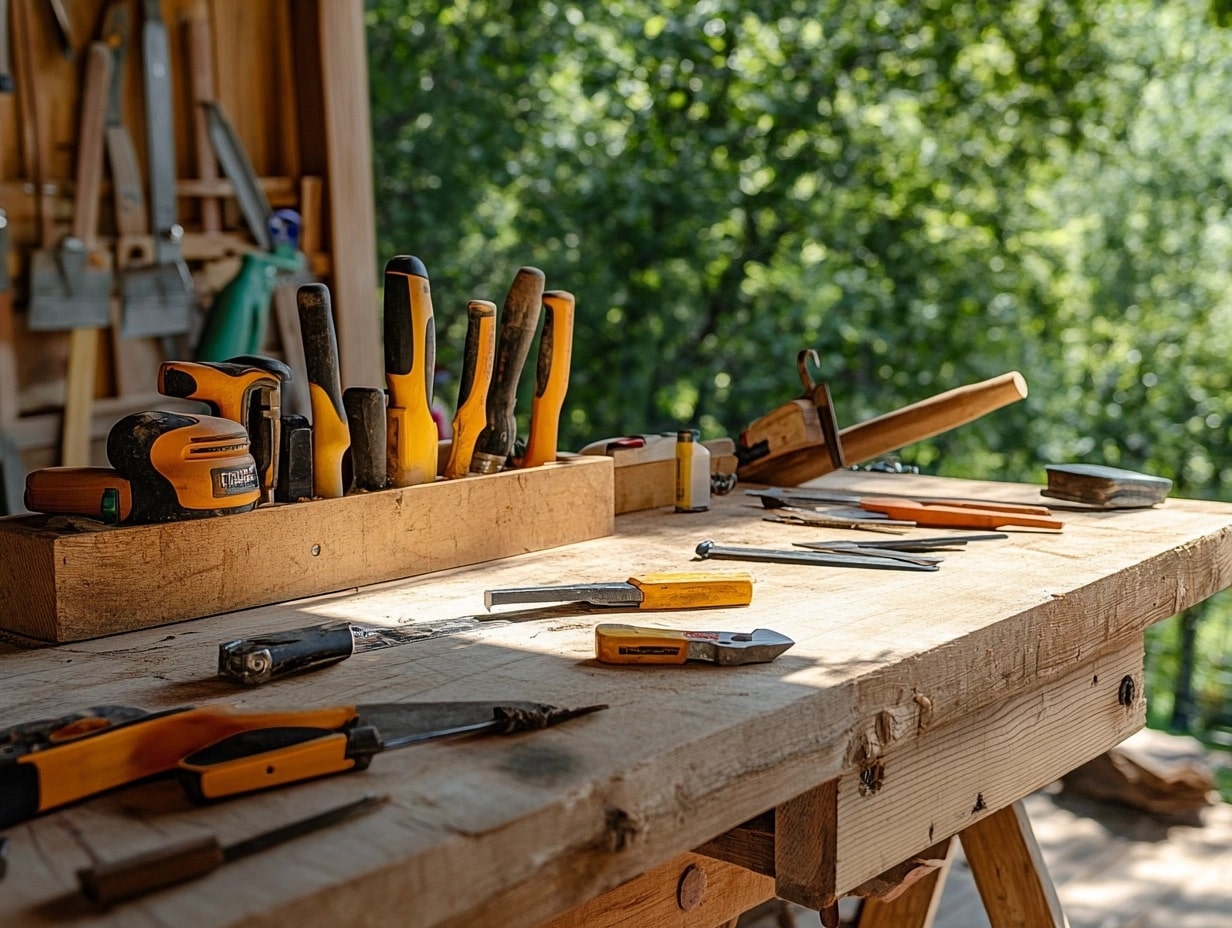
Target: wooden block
[689,891]
[924,789]
[70,579]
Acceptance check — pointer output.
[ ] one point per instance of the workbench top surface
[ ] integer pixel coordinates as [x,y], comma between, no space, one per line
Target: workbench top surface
[513,831]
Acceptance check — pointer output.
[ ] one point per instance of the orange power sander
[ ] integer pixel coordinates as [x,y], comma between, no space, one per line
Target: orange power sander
[165,467]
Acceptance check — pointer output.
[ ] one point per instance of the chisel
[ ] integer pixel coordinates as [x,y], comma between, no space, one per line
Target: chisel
[115,880]
[330,435]
[667,590]
[477,360]
[519,319]
[551,377]
[410,359]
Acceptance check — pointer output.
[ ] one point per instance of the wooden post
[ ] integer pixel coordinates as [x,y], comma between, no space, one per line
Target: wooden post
[1010,873]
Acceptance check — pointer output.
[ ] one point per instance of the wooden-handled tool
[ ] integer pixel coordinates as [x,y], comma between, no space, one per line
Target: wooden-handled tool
[551,378]
[477,359]
[786,448]
[410,359]
[518,322]
[330,435]
[115,880]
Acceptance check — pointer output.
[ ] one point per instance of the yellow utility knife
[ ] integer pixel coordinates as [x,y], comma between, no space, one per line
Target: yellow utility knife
[630,644]
[671,590]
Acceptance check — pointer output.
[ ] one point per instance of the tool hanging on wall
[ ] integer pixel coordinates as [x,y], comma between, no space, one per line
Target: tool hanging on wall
[632,644]
[159,299]
[70,284]
[519,319]
[164,467]
[218,751]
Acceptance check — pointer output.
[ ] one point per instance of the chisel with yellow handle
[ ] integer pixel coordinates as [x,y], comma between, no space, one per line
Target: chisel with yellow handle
[331,436]
[630,644]
[551,378]
[672,590]
[410,362]
[478,356]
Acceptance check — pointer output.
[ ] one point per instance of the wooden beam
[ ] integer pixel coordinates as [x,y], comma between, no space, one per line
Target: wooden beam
[689,891]
[1009,872]
[915,906]
[804,862]
[347,131]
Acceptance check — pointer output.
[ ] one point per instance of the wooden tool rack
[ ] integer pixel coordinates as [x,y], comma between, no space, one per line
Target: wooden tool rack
[291,76]
[912,708]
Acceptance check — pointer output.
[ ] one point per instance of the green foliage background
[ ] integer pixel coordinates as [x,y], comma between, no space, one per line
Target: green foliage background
[927,192]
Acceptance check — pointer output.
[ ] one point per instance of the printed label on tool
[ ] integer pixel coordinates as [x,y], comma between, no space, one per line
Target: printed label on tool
[647,650]
[232,481]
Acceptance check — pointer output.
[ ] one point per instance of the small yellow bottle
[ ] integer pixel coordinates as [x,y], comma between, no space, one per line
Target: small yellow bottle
[692,472]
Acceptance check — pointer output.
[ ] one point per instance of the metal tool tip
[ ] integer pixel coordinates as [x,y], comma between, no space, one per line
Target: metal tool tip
[703,548]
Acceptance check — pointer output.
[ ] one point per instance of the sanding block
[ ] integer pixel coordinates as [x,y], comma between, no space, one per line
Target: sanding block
[1105,487]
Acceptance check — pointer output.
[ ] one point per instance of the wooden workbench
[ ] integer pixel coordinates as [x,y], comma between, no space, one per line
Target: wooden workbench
[913,707]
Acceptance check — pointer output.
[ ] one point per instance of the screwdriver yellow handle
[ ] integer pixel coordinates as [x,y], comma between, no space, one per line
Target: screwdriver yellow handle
[551,378]
[690,589]
[632,644]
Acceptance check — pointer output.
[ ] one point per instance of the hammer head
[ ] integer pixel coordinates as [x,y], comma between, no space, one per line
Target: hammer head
[760,646]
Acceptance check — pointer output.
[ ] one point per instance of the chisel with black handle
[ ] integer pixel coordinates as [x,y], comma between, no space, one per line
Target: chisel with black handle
[365,410]
[477,359]
[330,435]
[518,321]
[410,360]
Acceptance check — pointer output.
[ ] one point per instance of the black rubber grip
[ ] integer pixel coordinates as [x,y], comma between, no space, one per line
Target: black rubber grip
[399,339]
[519,319]
[365,409]
[316,321]
[19,792]
[294,460]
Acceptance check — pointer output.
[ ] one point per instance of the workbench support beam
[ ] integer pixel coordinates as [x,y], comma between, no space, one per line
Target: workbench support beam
[1010,873]
[804,865]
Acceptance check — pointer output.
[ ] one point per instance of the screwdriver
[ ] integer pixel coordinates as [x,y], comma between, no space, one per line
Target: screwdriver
[669,590]
[116,880]
[477,359]
[410,360]
[551,377]
[330,435]
[518,321]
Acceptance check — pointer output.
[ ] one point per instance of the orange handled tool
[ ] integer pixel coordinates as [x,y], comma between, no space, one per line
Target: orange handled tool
[217,751]
[331,436]
[410,360]
[962,513]
[631,644]
[477,360]
[551,377]
[671,590]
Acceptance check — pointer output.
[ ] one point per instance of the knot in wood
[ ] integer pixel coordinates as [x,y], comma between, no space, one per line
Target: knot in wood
[691,888]
[1126,691]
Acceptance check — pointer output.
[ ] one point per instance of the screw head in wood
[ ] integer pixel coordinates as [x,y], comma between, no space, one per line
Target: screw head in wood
[691,888]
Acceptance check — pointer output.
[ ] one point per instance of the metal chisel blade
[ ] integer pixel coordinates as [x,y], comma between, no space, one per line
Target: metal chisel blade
[599,594]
